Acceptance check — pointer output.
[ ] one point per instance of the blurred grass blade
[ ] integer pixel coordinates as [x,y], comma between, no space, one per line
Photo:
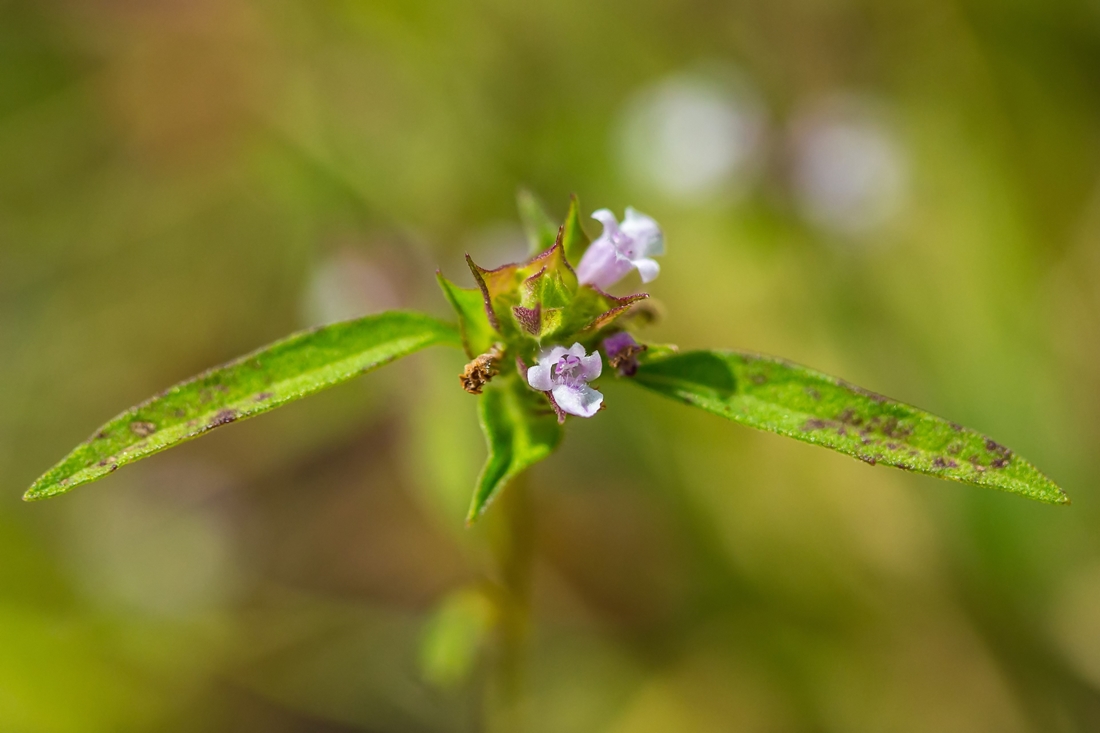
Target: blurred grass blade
[573,236]
[520,430]
[261,381]
[455,634]
[784,398]
[539,226]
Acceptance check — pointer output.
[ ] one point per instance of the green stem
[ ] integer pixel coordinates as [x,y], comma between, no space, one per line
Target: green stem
[513,545]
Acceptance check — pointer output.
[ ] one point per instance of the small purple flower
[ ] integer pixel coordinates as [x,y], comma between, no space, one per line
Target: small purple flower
[622,248]
[622,353]
[565,374]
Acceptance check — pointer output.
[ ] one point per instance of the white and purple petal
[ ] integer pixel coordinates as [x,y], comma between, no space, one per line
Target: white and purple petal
[622,248]
[581,401]
[648,269]
[591,366]
[565,374]
[539,376]
[602,265]
[645,232]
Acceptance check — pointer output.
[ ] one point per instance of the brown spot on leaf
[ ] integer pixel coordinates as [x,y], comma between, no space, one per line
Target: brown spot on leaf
[814,424]
[102,435]
[264,396]
[224,417]
[142,429]
[1000,463]
[850,417]
[813,393]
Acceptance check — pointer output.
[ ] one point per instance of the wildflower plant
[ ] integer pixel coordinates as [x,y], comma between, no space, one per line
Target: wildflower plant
[539,334]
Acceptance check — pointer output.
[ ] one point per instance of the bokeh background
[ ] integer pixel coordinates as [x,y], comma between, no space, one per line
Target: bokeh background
[905,194]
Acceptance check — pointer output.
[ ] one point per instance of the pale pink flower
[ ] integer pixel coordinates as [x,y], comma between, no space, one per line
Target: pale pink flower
[565,374]
[621,248]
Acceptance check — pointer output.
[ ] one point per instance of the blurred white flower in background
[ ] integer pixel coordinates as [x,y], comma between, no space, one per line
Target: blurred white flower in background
[348,284]
[693,135]
[849,170]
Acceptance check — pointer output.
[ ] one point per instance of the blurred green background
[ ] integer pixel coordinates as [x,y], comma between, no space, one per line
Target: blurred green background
[905,194]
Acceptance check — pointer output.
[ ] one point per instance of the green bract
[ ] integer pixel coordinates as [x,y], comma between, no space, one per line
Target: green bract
[514,313]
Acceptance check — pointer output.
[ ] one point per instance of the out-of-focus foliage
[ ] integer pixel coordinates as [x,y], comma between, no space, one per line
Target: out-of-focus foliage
[905,194]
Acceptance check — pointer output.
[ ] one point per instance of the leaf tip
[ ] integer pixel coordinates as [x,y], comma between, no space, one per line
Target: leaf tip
[37,493]
[474,514]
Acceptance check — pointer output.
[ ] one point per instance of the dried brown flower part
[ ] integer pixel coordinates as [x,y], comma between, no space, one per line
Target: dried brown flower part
[481,371]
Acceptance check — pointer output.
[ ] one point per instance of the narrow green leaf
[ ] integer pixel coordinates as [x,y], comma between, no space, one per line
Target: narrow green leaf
[573,236]
[520,430]
[478,335]
[282,372]
[539,226]
[784,398]
[455,634]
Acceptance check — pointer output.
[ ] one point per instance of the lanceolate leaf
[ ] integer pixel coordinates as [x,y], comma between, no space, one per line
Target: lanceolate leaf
[520,429]
[774,395]
[282,372]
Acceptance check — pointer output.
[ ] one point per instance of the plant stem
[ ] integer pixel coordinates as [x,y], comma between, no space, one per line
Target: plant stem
[513,545]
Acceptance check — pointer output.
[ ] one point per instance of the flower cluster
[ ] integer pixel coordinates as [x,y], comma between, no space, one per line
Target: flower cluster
[564,373]
[528,313]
